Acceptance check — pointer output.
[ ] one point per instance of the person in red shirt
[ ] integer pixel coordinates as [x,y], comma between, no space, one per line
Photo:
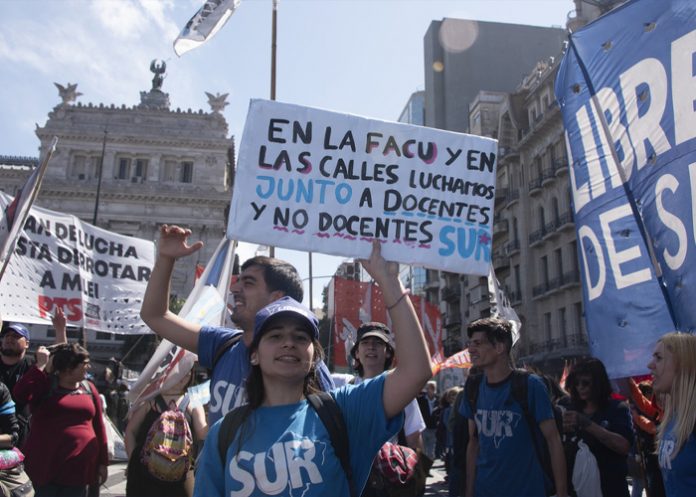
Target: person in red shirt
[66,450]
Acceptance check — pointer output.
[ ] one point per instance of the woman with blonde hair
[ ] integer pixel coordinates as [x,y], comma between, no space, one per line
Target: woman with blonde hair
[673,367]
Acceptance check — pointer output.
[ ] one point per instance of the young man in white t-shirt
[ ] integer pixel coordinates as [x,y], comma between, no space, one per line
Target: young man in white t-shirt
[373,354]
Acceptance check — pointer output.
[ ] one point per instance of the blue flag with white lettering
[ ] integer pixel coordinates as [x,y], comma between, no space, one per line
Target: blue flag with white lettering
[627,91]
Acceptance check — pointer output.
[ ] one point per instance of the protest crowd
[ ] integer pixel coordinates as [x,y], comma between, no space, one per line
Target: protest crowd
[282,421]
[276,420]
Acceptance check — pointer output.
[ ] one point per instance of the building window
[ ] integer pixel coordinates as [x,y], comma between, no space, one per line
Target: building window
[559,263]
[140,172]
[83,167]
[186,172]
[123,171]
[578,317]
[547,325]
[103,336]
[545,272]
[518,283]
[562,325]
[178,171]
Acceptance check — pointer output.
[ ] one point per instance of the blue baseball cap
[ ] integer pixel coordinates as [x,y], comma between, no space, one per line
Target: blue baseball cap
[286,306]
[17,328]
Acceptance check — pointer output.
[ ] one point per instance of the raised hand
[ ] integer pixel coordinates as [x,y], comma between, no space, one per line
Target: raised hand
[173,242]
[377,267]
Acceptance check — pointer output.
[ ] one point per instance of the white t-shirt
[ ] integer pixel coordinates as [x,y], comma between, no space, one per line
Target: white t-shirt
[413,419]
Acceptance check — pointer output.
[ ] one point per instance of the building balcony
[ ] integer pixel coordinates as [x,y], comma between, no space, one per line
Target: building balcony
[500,225]
[452,323]
[511,197]
[535,237]
[501,194]
[512,247]
[550,230]
[451,293]
[535,186]
[565,221]
[500,262]
[570,278]
[560,166]
[547,177]
[565,280]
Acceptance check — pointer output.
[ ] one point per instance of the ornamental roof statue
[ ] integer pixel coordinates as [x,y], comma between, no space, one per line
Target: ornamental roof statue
[68,93]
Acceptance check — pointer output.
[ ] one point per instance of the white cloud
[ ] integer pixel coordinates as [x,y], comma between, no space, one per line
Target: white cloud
[123,19]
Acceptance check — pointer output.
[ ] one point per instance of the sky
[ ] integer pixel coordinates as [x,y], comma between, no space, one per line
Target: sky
[362,57]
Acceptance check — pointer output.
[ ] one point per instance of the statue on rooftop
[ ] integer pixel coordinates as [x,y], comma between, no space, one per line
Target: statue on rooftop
[158,68]
[68,93]
[217,102]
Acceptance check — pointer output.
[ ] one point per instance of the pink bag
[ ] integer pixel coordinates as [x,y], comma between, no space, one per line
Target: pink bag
[10,458]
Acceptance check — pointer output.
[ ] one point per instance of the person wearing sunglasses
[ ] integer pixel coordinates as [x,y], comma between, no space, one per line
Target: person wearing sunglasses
[603,422]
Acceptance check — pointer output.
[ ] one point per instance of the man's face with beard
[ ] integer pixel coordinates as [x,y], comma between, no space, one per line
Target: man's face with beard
[13,344]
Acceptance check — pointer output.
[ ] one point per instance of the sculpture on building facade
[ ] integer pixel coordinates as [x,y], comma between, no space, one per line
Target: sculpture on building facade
[158,68]
[68,93]
[217,102]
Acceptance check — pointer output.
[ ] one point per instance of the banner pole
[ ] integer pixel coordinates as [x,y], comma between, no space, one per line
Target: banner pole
[274,45]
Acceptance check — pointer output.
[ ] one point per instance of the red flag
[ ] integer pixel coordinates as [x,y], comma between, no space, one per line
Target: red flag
[459,360]
[351,299]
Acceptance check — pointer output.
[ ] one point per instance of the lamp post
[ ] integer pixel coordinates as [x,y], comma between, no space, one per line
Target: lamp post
[99,179]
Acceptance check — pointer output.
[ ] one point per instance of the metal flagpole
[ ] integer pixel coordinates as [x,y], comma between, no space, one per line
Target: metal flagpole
[274,45]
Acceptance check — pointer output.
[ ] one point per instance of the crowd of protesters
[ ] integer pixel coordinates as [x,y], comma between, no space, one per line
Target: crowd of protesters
[503,432]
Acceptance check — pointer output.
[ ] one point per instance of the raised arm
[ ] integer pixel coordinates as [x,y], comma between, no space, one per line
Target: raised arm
[59,324]
[173,243]
[405,381]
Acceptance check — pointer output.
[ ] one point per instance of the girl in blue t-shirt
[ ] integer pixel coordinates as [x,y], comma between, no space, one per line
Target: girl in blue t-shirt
[673,367]
[282,447]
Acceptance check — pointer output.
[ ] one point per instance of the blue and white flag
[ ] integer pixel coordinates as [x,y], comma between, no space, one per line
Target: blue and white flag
[627,91]
[15,215]
[204,24]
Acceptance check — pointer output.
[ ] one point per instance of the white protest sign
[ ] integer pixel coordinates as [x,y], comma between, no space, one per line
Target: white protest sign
[320,181]
[96,276]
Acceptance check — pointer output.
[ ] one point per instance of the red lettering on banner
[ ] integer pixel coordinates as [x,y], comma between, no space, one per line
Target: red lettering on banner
[71,307]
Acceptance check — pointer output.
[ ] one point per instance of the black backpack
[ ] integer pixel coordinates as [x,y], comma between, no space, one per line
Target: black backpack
[329,413]
[519,390]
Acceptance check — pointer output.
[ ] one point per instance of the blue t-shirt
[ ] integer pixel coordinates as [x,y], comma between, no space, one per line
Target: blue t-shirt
[286,450]
[678,473]
[507,464]
[228,379]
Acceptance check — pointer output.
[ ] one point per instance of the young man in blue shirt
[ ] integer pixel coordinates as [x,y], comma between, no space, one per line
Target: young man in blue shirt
[501,458]
[262,281]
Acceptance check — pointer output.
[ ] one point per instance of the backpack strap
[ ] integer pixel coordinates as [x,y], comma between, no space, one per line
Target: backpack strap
[471,390]
[519,389]
[161,404]
[228,429]
[226,345]
[330,414]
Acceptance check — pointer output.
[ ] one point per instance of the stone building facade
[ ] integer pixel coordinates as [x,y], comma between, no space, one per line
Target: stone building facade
[134,169]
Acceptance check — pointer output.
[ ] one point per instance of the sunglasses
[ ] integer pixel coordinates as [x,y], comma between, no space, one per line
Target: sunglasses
[585,383]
